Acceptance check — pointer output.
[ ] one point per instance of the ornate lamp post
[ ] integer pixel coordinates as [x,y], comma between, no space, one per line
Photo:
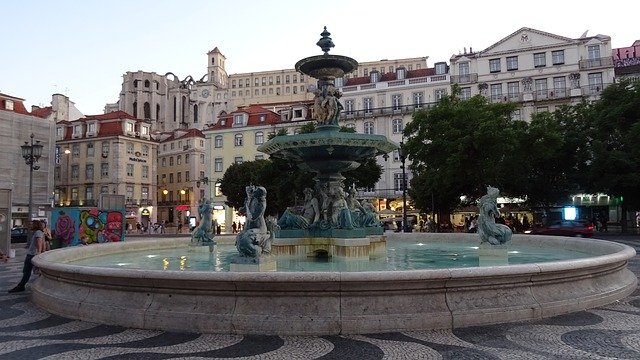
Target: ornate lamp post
[405,226]
[31,152]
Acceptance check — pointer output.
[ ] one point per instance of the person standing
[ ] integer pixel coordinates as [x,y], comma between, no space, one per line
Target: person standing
[35,246]
[234,227]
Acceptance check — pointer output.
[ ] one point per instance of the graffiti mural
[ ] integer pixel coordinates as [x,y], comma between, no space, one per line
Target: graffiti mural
[84,226]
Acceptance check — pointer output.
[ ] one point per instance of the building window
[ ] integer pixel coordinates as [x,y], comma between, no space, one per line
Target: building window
[129,169]
[595,82]
[145,150]
[59,131]
[104,189]
[88,171]
[349,107]
[237,159]
[170,178]
[145,193]
[541,88]
[593,51]
[75,170]
[237,140]
[129,148]
[186,158]
[368,128]
[516,115]
[396,125]
[396,155]
[187,177]
[74,194]
[418,99]
[398,182]
[513,91]
[145,171]
[559,86]
[218,141]
[441,68]
[259,137]
[440,93]
[496,92]
[368,105]
[104,170]
[88,193]
[170,160]
[217,165]
[129,193]
[75,150]
[494,65]
[90,149]
[465,93]
[539,60]
[105,148]
[91,128]
[512,63]
[396,100]
[164,162]
[179,177]
[202,159]
[179,160]
[557,57]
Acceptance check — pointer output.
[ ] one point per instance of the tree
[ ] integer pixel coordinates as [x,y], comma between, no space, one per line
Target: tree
[458,147]
[614,154]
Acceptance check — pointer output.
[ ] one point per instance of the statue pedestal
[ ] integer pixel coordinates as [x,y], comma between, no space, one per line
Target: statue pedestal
[263,263]
[493,255]
[365,247]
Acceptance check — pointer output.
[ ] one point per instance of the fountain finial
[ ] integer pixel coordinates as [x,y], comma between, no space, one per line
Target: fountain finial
[325,41]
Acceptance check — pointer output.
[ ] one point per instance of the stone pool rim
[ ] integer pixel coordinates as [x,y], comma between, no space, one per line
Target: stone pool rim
[323,303]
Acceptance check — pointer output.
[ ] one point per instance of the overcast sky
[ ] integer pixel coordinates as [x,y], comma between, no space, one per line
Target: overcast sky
[82,48]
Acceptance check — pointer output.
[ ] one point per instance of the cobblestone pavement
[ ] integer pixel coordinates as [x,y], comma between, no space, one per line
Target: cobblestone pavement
[607,332]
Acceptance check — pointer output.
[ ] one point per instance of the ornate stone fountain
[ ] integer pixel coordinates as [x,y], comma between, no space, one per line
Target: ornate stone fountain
[340,225]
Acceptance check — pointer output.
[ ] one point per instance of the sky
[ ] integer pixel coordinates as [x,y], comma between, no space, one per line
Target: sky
[82,48]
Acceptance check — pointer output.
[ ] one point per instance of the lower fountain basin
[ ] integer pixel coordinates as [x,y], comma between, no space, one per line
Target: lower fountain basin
[324,303]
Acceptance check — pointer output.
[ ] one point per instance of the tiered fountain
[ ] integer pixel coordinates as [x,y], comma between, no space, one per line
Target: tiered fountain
[76,283]
[328,228]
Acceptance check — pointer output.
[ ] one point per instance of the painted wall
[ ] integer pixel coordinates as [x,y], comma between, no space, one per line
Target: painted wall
[76,226]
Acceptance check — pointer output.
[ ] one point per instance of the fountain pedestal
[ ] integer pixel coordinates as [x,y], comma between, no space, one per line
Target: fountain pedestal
[493,255]
[357,248]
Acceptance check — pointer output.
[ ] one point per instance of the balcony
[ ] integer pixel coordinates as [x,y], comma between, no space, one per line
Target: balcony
[551,94]
[602,62]
[391,110]
[464,79]
[396,83]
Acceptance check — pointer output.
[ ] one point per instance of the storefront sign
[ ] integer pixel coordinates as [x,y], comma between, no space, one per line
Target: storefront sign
[145,212]
[135,159]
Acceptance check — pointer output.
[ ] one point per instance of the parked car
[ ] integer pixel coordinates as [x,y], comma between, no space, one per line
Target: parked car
[19,235]
[578,228]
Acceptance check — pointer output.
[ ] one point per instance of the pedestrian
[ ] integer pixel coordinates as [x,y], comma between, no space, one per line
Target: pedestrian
[234,227]
[35,246]
[179,227]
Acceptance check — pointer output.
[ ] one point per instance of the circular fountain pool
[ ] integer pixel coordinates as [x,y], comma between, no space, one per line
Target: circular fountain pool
[325,300]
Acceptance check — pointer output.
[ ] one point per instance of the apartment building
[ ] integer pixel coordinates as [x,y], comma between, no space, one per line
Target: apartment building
[111,153]
[627,61]
[536,69]
[16,126]
[234,139]
[182,177]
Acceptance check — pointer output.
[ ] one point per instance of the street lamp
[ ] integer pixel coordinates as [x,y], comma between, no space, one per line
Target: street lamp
[31,152]
[405,226]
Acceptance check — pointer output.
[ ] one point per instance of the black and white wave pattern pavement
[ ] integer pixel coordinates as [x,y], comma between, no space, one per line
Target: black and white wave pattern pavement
[608,332]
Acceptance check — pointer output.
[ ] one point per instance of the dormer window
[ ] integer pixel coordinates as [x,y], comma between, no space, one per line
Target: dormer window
[263,118]
[375,76]
[238,119]
[77,130]
[60,132]
[128,127]
[8,104]
[441,68]
[401,73]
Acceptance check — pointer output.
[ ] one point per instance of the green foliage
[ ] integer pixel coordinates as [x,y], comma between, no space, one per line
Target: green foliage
[458,148]
[280,132]
[308,128]
[365,176]
[614,154]
[347,129]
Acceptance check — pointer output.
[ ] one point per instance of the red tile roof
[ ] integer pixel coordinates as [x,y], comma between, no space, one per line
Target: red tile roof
[18,105]
[44,112]
[390,76]
[110,116]
[254,112]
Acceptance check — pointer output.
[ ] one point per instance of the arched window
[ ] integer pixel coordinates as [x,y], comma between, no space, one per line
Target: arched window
[218,141]
[195,113]
[147,83]
[135,109]
[368,128]
[147,110]
[135,83]
[175,109]
[183,107]
[259,138]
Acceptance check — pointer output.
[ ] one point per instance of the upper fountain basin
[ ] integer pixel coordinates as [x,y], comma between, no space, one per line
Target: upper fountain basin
[326,66]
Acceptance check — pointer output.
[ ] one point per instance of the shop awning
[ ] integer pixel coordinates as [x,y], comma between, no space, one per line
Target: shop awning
[182,207]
